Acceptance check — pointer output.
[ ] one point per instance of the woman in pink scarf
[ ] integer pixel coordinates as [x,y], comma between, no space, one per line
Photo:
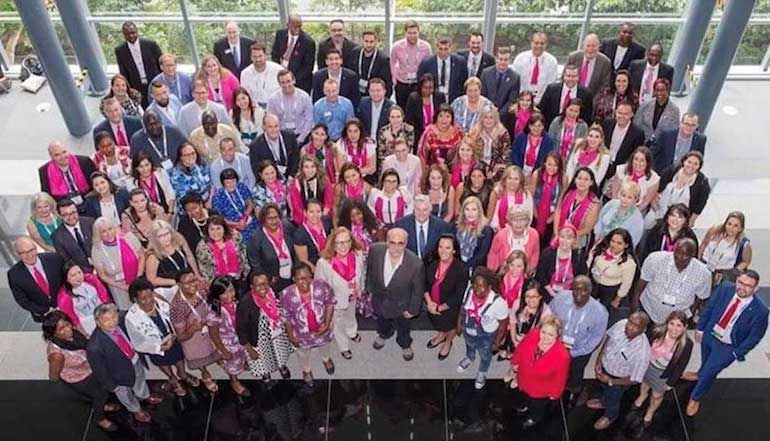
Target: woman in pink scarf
[566,128]
[590,152]
[117,258]
[510,193]
[514,281]
[391,201]
[222,253]
[516,235]
[356,147]
[580,206]
[546,185]
[310,183]
[350,186]
[311,235]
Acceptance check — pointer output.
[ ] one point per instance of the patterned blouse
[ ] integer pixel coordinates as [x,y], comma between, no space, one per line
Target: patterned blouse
[263,195]
[386,139]
[232,206]
[205,258]
[432,147]
[131,106]
[294,312]
[197,179]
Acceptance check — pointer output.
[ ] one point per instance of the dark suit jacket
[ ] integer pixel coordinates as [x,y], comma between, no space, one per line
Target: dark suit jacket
[406,288]
[519,149]
[633,139]
[247,321]
[93,208]
[509,87]
[222,52]
[636,69]
[364,113]
[457,75]
[349,51]
[664,147]
[86,165]
[302,57]
[602,70]
[348,85]
[413,111]
[150,58]
[108,362]
[67,246]
[436,227]
[486,61]
[546,266]
[551,102]
[259,150]
[747,331]
[132,125]
[262,255]
[452,287]
[25,290]
[609,48]
[381,70]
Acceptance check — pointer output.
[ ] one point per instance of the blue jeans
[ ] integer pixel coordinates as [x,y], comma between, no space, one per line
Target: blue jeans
[481,343]
[611,396]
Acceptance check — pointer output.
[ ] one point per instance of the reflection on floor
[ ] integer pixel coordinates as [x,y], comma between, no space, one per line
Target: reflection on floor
[377,410]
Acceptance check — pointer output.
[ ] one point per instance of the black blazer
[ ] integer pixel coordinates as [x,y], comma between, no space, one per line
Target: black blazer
[677,365]
[222,52]
[610,46]
[519,149]
[348,85]
[150,58]
[664,147]
[699,190]
[413,111]
[93,209]
[259,151]
[381,70]
[454,284]
[302,57]
[509,87]
[436,227]
[262,255]
[364,113]
[457,75]
[483,244]
[546,266]
[633,139]
[67,247]
[349,50]
[636,69]
[25,290]
[652,240]
[132,125]
[247,321]
[551,102]
[108,362]
[86,165]
[486,61]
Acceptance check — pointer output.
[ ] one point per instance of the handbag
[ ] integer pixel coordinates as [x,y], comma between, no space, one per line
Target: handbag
[364,306]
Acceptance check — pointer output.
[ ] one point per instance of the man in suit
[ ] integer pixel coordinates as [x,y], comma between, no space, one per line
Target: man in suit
[732,324]
[337,40]
[138,59]
[276,145]
[166,105]
[424,229]
[558,95]
[232,49]
[73,239]
[179,84]
[500,83]
[121,127]
[160,142]
[374,109]
[66,176]
[116,364]
[670,145]
[346,78]
[622,50]
[190,114]
[476,59]
[394,277]
[35,279]
[645,72]
[595,67]
[449,70]
[370,62]
[294,49]
[621,136]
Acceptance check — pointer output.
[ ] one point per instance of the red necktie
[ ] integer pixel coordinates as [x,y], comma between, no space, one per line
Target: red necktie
[566,101]
[535,72]
[584,73]
[41,282]
[725,320]
[121,136]
[123,344]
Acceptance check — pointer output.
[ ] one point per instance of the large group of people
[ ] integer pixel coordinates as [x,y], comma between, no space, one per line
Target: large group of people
[258,207]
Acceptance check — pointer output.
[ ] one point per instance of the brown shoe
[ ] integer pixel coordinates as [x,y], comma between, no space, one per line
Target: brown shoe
[692,408]
[595,404]
[602,423]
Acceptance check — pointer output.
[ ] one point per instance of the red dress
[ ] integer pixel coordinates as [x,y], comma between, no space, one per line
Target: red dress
[431,147]
[545,377]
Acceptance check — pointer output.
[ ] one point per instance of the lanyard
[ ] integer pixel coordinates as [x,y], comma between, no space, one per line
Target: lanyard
[232,202]
[53,224]
[283,108]
[165,146]
[173,261]
[371,65]
[569,320]
[191,306]
[235,165]
[107,256]
[281,148]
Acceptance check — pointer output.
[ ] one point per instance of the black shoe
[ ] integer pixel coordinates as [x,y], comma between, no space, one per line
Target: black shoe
[329,366]
[347,355]
[521,410]
[432,345]
[285,374]
[528,423]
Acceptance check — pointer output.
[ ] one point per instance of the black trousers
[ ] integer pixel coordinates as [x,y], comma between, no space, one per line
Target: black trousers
[399,325]
[539,408]
[576,368]
[402,92]
[91,391]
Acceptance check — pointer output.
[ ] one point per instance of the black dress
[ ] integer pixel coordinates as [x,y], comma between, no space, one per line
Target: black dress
[170,266]
[451,292]
[173,355]
[302,238]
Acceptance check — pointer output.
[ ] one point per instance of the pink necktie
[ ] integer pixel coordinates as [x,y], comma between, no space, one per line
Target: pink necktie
[535,72]
[566,101]
[648,81]
[41,282]
[121,136]
[123,344]
[290,48]
[584,73]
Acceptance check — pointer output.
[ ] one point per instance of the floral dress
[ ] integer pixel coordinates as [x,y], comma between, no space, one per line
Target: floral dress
[225,322]
[294,311]
[263,195]
[232,206]
[195,180]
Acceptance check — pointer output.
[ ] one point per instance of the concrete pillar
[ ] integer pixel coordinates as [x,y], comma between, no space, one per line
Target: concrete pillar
[41,33]
[729,34]
[73,16]
[586,23]
[283,11]
[688,41]
[490,23]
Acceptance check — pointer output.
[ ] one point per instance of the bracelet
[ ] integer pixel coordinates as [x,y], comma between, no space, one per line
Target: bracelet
[609,382]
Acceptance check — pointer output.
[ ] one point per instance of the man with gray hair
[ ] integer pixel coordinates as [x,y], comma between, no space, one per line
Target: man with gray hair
[275,145]
[116,364]
[424,229]
[35,279]
[394,277]
[670,145]
[121,126]
[595,68]
[232,50]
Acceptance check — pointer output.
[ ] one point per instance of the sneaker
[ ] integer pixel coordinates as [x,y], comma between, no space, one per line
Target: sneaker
[481,380]
[329,366]
[408,354]
[464,363]
[379,343]
[528,423]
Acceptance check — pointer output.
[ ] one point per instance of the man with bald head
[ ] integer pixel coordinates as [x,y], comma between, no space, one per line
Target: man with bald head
[35,279]
[645,72]
[138,59]
[275,145]
[394,277]
[207,137]
[672,281]
[232,50]
[158,141]
[66,175]
[595,67]
[294,49]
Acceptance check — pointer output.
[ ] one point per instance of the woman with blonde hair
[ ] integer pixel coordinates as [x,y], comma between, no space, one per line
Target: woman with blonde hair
[474,235]
[465,159]
[43,221]
[622,213]
[590,152]
[494,140]
[117,258]
[221,83]
[725,249]
[508,194]
[513,283]
[168,254]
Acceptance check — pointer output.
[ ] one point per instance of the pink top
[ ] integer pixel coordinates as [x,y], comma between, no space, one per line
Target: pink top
[76,367]
[662,351]
[501,248]
[405,59]
[226,87]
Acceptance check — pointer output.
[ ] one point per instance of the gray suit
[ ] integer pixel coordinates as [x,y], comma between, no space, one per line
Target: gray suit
[601,75]
[669,119]
[67,247]
[509,87]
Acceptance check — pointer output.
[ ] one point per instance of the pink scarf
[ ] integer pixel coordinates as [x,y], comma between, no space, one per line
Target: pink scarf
[522,118]
[278,190]
[530,157]
[310,315]
[427,114]
[575,217]
[460,171]
[544,205]
[400,208]
[502,212]
[608,256]
[563,275]
[58,182]
[587,157]
[128,260]
[269,306]
[668,244]
[361,235]
[150,190]
[347,268]
[357,157]
[356,192]
[435,289]
[636,177]
[512,288]
[567,136]
[226,262]
[230,309]
[318,235]
[295,202]
[278,241]
[475,311]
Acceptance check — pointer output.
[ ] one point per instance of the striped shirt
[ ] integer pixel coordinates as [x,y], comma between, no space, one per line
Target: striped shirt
[624,357]
[670,290]
[586,325]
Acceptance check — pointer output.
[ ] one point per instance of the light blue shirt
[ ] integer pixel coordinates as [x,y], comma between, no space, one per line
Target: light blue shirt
[586,325]
[173,108]
[181,86]
[334,115]
[240,164]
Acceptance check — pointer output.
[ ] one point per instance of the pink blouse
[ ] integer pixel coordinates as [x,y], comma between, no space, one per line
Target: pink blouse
[76,367]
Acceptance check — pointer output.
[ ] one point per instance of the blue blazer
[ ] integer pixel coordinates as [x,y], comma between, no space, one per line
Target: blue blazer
[520,148]
[364,113]
[664,147]
[174,105]
[131,123]
[94,209]
[747,331]
[109,364]
[457,75]
[436,227]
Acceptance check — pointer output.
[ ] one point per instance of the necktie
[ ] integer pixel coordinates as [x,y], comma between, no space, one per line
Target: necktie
[41,282]
[289,48]
[121,136]
[390,213]
[281,154]
[442,83]
[421,241]
[236,56]
[79,238]
[725,320]
[123,344]
[499,82]
[73,188]
[584,73]
[648,81]
[535,72]
[566,101]
[474,66]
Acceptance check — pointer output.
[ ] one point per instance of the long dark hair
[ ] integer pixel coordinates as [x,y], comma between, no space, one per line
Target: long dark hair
[532,284]
[65,270]
[433,257]
[370,220]
[559,168]
[218,287]
[51,320]
[680,209]
[237,110]
[137,159]
[604,244]
[594,186]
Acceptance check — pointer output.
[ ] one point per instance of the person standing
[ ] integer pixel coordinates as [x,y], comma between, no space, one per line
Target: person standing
[231,49]
[369,63]
[338,40]
[595,67]
[476,59]
[405,58]
[622,50]
[260,78]
[294,49]
[138,59]
[35,279]
[536,67]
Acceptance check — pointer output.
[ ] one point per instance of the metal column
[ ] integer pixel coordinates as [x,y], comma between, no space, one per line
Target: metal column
[390,32]
[283,11]
[94,32]
[73,16]
[732,26]
[41,33]
[490,23]
[688,41]
[190,34]
[586,23]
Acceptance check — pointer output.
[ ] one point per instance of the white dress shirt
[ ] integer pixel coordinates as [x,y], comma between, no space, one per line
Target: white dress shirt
[549,72]
[376,110]
[618,135]
[445,89]
[261,85]
[390,268]
[471,66]
[136,54]
[646,95]
[620,53]
[417,226]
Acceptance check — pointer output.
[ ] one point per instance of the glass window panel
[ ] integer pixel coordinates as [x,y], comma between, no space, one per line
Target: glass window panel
[440,7]
[354,7]
[207,33]
[170,37]
[431,32]
[552,8]
[228,7]
[562,39]
[124,7]
[639,7]
[17,45]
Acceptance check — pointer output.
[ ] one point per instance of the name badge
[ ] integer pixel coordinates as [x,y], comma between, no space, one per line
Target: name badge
[719,332]
[411,77]
[205,330]
[275,332]
[282,169]
[77,199]
[471,331]
[284,63]
[119,277]
[568,340]
[289,125]
[327,114]
[167,164]
[284,271]
[669,300]
[362,85]
[444,90]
